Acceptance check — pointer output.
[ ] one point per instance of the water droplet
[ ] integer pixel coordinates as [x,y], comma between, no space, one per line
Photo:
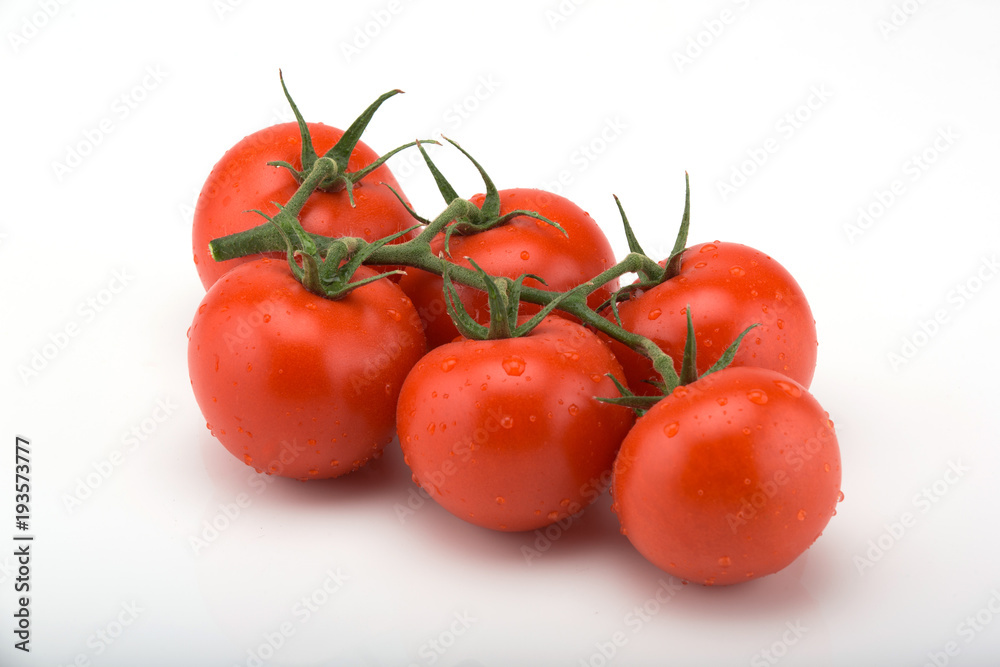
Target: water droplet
[482,387]
[701,265]
[757,396]
[500,500]
[781,324]
[564,502]
[747,481]
[313,471]
[431,427]
[840,497]
[249,367]
[655,313]
[710,581]
[202,307]
[572,355]
[524,255]
[725,561]
[788,388]
[248,459]
[670,430]
[763,308]
[507,421]
[552,516]
[574,410]
[826,467]
[746,430]
[532,418]
[394,314]
[801,516]
[266,318]
[334,463]
[311,306]
[722,400]
[596,378]
[311,442]
[448,364]
[708,247]
[623,531]
[513,365]
[737,271]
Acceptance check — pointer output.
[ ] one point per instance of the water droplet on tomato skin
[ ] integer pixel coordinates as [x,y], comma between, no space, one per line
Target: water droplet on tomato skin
[722,400]
[507,421]
[654,314]
[394,314]
[737,271]
[788,388]
[311,306]
[574,410]
[840,496]
[671,429]
[708,247]
[513,366]
[801,516]
[248,459]
[500,500]
[701,265]
[525,256]
[448,364]
[725,561]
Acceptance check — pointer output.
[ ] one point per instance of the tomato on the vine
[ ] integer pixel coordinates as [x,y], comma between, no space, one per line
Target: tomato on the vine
[729,287]
[522,245]
[242,181]
[507,434]
[728,478]
[295,384]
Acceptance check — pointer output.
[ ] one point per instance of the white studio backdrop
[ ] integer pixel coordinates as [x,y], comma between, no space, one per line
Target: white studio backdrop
[855,142]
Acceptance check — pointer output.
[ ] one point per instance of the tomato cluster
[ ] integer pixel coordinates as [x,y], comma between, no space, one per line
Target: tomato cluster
[517,373]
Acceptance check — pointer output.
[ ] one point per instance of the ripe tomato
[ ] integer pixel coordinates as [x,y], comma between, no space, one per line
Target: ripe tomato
[295,384]
[728,478]
[729,287]
[242,181]
[522,245]
[507,434]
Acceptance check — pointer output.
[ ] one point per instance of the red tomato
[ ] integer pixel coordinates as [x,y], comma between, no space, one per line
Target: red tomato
[507,434]
[729,287]
[728,478]
[295,384]
[523,245]
[242,181]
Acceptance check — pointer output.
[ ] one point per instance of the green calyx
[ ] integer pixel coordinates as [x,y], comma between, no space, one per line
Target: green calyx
[474,219]
[653,274]
[688,374]
[504,298]
[340,153]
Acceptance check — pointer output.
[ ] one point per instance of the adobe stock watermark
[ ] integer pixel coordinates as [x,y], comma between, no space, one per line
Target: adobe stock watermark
[911,171]
[544,538]
[464,450]
[121,108]
[967,630]
[899,16]
[31,25]
[434,648]
[633,622]
[954,301]
[779,648]
[922,502]
[130,442]
[104,637]
[711,30]
[228,513]
[301,612]
[586,154]
[366,33]
[454,116]
[85,313]
[786,127]
[561,12]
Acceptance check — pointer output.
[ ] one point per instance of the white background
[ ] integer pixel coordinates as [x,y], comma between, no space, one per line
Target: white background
[525,89]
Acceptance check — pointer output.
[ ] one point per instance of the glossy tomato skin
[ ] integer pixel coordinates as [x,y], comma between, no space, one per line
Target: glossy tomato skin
[729,478]
[729,287]
[506,434]
[294,384]
[523,245]
[242,182]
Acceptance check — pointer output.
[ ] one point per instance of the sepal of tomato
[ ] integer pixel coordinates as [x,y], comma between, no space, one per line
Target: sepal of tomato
[506,434]
[729,478]
[522,245]
[295,384]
